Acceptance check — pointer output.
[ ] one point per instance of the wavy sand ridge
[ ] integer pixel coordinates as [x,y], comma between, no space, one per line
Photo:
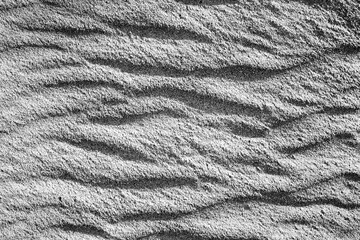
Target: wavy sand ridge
[179,119]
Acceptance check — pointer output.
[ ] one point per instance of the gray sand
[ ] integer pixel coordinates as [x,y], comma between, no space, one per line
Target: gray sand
[180,119]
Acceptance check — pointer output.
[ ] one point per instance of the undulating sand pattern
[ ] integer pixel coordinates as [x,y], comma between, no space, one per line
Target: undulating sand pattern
[179,119]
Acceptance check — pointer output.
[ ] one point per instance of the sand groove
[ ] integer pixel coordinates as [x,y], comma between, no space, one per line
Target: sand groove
[179,119]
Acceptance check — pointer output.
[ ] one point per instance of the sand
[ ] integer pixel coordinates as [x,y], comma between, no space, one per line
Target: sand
[179,119]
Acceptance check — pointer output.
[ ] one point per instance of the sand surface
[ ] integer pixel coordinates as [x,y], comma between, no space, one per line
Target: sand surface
[180,119]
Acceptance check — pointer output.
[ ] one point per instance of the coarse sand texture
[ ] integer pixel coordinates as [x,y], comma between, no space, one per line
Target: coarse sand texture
[180,119]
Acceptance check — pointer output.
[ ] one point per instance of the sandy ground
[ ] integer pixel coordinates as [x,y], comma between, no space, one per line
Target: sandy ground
[179,119]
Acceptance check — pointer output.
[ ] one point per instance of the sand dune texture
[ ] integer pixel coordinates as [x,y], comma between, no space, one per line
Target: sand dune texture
[179,119]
